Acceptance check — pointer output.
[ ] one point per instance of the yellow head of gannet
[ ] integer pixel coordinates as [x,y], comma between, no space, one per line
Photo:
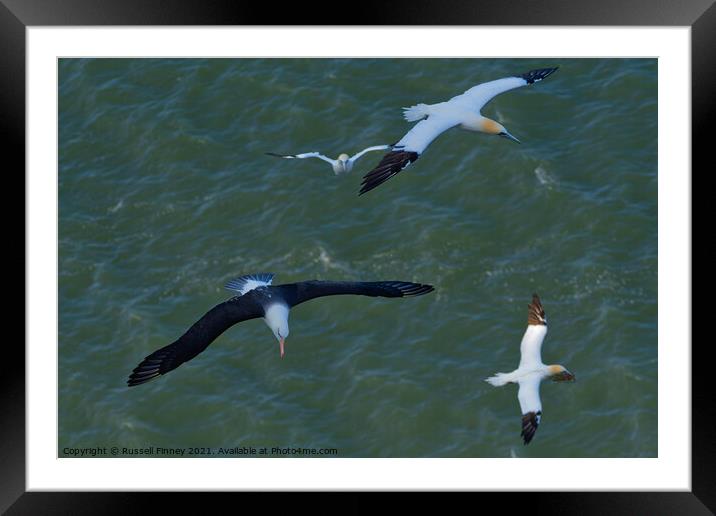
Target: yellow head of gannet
[559,373]
[489,126]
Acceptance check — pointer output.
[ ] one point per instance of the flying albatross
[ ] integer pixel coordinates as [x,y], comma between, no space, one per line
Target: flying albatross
[342,165]
[531,370]
[462,110]
[257,298]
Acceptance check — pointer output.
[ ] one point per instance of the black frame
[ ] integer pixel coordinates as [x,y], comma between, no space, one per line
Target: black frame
[16,15]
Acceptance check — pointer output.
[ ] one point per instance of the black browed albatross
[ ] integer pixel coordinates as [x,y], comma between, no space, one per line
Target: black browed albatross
[462,110]
[255,298]
[531,371]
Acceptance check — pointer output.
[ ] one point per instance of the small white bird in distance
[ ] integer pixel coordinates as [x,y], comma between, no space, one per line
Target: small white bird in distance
[342,165]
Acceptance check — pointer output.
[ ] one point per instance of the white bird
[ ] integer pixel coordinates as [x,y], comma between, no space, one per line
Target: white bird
[342,165]
[531,370]
[462,110]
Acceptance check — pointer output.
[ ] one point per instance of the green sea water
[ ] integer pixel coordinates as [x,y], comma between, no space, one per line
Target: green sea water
[165,193]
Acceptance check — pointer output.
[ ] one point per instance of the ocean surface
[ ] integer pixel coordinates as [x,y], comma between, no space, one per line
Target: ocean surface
[165,193]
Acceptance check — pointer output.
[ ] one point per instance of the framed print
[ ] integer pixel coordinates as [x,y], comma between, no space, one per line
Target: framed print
[538,174]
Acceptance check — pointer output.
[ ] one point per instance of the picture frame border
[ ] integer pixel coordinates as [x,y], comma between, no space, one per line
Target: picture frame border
[17,15]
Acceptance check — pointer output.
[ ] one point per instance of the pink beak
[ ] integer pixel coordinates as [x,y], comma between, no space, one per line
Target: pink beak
[281,342]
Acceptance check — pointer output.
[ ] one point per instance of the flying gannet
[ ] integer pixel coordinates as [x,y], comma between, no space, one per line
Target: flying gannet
[342,165]
[531,370]
[462,110]
[257,298]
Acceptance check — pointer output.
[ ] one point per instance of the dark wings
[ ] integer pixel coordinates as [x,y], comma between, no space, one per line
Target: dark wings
[196,339]
[535,312]
[296,293]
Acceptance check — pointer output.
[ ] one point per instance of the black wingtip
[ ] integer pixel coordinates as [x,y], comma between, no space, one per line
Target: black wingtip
[153,366]
[537,75]
[135,379]
[391,164]
[420,290]
[530,422]
[143,373]
[408,289]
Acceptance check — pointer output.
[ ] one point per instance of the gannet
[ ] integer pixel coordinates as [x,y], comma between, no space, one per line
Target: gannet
[257,298]
[531,370]
[342,165]
[462,110]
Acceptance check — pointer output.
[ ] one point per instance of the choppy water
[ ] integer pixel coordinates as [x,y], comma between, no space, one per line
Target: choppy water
[165,194]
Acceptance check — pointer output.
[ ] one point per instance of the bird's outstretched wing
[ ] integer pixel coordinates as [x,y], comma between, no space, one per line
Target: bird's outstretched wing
[531,405]
[357,155]
[531,345]
[196,339]
[477,96]
[407,150]
[535,312]
[303,156]
[296,293]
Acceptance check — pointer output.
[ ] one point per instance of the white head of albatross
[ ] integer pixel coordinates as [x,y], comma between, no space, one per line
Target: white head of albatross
[342,165]
[276,319]
[531,371]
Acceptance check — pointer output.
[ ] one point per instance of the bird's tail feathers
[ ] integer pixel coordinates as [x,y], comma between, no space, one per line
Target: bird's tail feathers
[417,112]
[500,379]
